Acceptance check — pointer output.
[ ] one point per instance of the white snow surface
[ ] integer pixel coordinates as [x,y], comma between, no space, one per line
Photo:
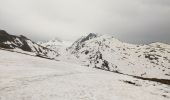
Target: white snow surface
[24,77]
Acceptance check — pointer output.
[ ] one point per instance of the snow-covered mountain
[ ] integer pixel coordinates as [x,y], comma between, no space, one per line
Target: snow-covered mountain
[56,44]
[99,51]
[107,53]
[24,45]
[59,46]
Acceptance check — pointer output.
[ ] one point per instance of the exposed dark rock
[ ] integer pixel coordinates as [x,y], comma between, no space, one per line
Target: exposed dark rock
[105,65]
[8,41]
[86,52]
[90,36]
[129,82]
[151,57]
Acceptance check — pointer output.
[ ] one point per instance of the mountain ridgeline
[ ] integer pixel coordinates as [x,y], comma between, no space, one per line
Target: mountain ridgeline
[107,53]
[23,44]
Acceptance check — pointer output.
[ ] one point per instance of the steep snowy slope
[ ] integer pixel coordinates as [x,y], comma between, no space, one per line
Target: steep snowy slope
[24,77]
[23,44]
[108,53]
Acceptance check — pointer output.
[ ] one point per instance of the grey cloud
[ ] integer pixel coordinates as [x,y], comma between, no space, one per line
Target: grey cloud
[134,21]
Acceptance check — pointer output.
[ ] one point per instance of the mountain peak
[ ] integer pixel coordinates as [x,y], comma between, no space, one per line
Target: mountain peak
[3,32]
[89,36]
[23,37]
[92,34]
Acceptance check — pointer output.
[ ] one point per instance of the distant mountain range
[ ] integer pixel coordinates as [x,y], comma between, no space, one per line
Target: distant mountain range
[100,51]
[55,44]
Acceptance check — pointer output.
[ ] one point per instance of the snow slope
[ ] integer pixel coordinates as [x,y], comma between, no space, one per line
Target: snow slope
[24,77]
[106,52]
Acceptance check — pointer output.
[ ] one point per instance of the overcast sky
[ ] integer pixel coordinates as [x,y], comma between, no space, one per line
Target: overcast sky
[134,21]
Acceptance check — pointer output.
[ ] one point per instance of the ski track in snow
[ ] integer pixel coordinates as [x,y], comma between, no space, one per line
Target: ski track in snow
[24,77]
